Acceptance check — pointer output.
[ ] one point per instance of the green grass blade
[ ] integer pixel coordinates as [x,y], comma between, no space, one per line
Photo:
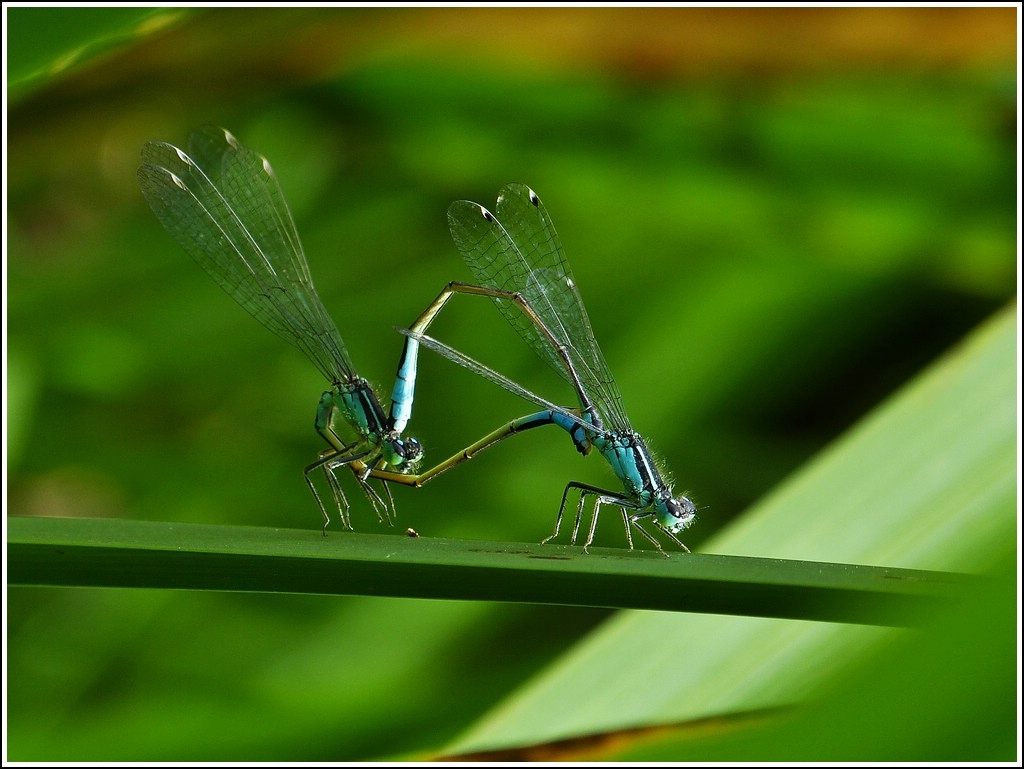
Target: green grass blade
[116,553]
[927,481]
[945,695]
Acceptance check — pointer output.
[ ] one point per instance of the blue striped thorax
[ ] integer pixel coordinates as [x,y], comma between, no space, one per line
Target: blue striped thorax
[359,404]
[631,460]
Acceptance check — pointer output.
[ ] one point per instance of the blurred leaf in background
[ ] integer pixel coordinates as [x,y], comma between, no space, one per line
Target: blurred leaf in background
[776,217]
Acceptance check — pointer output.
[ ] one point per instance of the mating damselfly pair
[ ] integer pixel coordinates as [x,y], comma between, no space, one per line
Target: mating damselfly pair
[223,204]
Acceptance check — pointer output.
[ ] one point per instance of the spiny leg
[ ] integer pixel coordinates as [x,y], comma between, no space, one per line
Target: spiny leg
[390,503]
[339,495]
[320,504]
[602,496]
[385,509]
[608,498]
[585,489]
[625,522]
[598,500]
[328,461]
[341,453]
[635,521]
[561,512]
[579,519]
[361,470]
[672,536]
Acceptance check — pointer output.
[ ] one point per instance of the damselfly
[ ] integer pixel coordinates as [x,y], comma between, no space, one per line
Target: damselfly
[517,259]
[223,204]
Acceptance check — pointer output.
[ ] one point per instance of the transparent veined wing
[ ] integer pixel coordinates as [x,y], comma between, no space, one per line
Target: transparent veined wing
[223,203]
[517,249]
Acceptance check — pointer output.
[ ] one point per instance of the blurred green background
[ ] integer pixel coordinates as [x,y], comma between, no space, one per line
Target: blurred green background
[776,218]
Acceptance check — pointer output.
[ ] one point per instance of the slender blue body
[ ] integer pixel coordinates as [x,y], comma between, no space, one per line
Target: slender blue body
[405,386]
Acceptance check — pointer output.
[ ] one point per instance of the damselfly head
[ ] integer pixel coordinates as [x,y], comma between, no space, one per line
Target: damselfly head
[677,514]
[404,454]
